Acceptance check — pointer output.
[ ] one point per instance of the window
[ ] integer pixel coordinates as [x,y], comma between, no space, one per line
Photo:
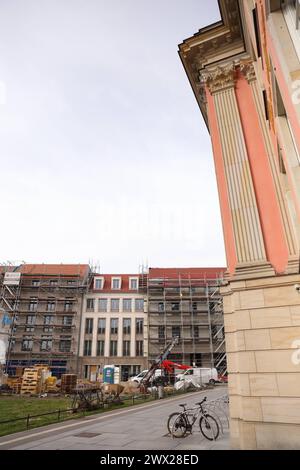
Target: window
[65,345]
[68,304]
[139,305]
[27,344]
[53,282]
[139,326]
[98,284]
[87,348]
[102,305]
[126,348]
[291,12]
[113,350]
[126,305]
[161,333]
[101,326]
[48,321]
[126,326]
[46,343]
[89,326]
[100,348]
[48,329]
[176,331]
[33,303]
[30,319]
[114,305]
[139,348]
[71,283]
[67,320]
[116,283]
[161,307]
[136,370]
[28,329]
[175,307]
[50,305]
[195,332]
[265,98]
[114,323]
[90,305]
[35,283]
[195,306]
[256,30]
[133,284]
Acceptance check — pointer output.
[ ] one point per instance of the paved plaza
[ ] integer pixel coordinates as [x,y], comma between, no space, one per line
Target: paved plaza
[143,427]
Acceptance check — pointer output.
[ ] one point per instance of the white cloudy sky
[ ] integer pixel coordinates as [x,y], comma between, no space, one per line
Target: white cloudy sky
[104,154]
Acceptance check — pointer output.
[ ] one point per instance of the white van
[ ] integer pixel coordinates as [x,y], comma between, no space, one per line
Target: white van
[199,376]
[138,378]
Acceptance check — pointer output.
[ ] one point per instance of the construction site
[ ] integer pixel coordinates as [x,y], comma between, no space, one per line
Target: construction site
[187,303]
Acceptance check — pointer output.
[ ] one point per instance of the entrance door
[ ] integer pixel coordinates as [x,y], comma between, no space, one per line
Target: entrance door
[125,373]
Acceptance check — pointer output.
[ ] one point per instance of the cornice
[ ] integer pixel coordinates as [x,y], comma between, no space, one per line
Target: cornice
[213,44]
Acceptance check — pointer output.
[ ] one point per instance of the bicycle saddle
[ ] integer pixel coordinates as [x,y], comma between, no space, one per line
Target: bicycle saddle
[184,405]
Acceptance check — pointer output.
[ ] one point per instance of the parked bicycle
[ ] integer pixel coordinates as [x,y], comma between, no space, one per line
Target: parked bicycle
[179,424]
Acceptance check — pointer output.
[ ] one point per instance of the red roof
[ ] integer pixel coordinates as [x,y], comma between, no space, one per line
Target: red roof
[186,273]
[80,270]
[108,282]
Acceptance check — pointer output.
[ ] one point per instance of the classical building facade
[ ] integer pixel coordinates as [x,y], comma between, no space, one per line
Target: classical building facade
[44,303]
[186,302]
[245,74]
[114,326]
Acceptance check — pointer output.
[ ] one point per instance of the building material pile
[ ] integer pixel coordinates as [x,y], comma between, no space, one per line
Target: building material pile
[68,383]
[34,380]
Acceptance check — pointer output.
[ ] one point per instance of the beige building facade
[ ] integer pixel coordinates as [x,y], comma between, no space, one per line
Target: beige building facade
[114,329]
[245,73]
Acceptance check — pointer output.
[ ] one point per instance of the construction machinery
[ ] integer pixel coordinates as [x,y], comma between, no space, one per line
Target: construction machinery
[157,363]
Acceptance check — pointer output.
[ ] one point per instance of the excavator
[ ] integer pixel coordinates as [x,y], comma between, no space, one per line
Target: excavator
[162,362]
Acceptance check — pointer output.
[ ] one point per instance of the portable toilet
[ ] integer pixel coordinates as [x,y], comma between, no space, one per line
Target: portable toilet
[117,375]
[108,374]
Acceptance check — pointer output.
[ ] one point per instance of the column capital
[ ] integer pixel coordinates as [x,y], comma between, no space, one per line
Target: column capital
[248,70]
[221,78]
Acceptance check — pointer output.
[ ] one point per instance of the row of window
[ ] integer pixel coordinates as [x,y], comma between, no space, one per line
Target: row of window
[115,305]
[176,306]
[176,331]
[116,283]
[52,282]
[67,320]
[51,304]
[113,348]
[114,326]
[46,344]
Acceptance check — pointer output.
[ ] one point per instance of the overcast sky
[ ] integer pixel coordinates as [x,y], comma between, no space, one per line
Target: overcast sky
[104,153]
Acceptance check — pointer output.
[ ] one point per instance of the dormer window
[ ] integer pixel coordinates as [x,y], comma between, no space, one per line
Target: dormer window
[98,283]
[116,283]
[133,283]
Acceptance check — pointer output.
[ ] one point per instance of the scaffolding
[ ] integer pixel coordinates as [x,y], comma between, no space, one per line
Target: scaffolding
[191,308]
[38,306]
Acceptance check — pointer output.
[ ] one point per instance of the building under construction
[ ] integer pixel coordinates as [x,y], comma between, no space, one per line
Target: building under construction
[186,303]
[44,303]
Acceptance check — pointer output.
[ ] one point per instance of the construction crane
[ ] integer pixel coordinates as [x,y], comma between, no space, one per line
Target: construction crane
[169,366]
[157,363]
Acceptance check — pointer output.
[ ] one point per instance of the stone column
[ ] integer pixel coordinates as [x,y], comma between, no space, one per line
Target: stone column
[249,242]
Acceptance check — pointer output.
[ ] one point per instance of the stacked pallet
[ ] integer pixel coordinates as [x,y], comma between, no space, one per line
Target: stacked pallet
[68,383]
[14,384]
[32,381]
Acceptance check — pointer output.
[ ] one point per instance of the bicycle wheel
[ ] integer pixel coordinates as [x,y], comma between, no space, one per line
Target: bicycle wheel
[209,427]
[177,425]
